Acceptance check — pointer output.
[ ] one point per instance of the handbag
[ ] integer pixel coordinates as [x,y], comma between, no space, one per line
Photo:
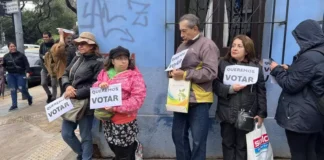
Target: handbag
[244,121]
[103,114]
[78,111]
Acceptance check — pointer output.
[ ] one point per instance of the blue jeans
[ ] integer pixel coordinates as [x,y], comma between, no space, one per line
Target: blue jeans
[197,119]
[84,148]
[17,81]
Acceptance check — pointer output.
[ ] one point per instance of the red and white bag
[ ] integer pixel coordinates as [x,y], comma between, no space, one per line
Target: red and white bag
[258,144]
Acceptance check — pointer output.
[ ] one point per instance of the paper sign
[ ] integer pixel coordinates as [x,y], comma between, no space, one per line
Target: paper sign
[66,31]
[238,74]
[176,60]
[57,108]
[178,96]
[267,70]
[266,67]
[109,97]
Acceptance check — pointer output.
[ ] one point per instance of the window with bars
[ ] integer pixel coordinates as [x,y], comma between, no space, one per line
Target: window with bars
[228,19]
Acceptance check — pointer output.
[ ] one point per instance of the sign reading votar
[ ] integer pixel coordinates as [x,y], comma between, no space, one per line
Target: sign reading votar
[176,60]
[12,7]
[108,97]
[57,108]
[239,74]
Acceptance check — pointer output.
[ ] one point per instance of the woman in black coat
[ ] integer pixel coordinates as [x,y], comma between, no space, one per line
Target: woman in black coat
[17,66]
[234,98]
[77,80]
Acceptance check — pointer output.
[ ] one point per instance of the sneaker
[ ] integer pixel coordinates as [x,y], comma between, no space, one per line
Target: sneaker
[30,100]
[49,99]
[13,108]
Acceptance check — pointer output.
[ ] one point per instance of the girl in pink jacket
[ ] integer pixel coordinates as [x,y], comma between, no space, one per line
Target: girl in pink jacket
[121,131]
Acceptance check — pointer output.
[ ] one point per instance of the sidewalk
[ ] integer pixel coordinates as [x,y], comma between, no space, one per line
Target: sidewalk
[26,133]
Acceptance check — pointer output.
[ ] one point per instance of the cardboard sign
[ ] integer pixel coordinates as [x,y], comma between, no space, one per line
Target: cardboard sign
[57,108]
[66,31]
[176,60]
[238,74]
[178,96]
[108,97]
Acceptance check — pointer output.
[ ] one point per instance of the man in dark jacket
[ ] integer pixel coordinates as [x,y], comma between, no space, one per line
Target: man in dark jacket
[45,47]
[302,83]
[70,49]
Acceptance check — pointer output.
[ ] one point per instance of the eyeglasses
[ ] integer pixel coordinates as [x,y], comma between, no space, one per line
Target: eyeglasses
[82,43]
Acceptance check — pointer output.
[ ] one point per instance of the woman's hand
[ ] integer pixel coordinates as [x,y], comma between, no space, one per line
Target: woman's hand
[238,87]
[273,65]
[110,109]
[103,85]
[70,92]
[260,121]
[285,66]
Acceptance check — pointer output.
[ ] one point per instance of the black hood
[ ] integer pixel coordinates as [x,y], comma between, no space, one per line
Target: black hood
[308,34]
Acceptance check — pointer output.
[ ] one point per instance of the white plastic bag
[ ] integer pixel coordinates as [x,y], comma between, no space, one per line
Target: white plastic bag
[258,144]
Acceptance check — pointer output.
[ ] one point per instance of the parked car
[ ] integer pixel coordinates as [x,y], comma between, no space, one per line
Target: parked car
[35,68]
[5,49]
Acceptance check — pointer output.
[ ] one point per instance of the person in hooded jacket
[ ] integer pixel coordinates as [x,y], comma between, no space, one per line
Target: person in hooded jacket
[233,98]
[121,132]
[302,83]
[77,80]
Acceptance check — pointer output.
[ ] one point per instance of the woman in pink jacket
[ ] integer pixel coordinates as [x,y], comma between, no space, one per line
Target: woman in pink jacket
[121,131]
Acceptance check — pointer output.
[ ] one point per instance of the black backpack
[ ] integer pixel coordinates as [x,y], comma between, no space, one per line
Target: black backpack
[320,101]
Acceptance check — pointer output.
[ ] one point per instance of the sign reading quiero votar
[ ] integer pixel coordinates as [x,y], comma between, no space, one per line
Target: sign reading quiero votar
[57,108]
[238,74]
[176,60]
[108,97]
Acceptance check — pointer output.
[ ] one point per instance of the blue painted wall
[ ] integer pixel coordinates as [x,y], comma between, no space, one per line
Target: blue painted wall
[298,11]
[140,26]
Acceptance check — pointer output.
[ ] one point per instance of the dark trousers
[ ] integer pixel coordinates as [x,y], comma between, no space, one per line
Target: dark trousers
[320,146]
[62,89]
[197,120]
[233,142]
[124,153]
[302,145]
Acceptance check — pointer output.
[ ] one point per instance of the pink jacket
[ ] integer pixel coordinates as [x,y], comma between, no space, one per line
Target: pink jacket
[133,93]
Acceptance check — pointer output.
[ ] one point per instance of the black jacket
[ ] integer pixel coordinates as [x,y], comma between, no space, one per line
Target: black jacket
[81,74]
[70,53]
[302,82]
[20,64]
[44,47]
[251,98]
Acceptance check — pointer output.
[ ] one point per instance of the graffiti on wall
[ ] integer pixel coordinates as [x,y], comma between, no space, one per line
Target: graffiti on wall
[101,10]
